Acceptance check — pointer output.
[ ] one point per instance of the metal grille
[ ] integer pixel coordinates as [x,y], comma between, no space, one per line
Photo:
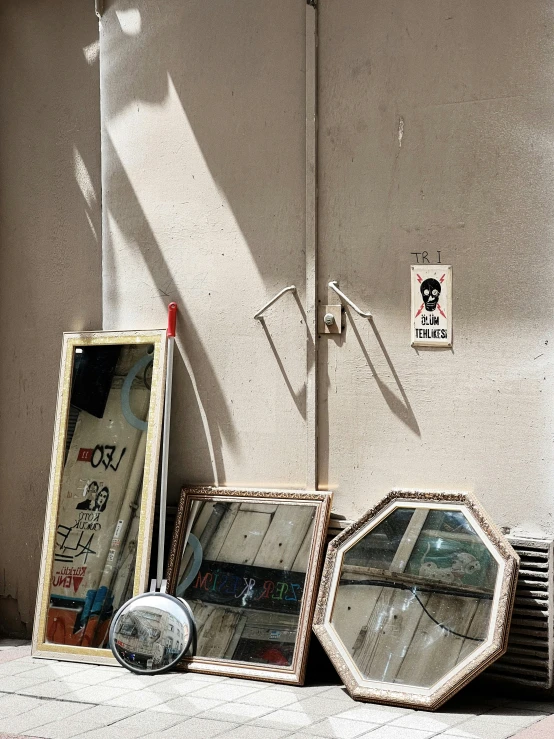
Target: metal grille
[529,657]
[528,660]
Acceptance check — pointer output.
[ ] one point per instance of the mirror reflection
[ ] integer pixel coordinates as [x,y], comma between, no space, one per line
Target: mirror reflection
[151,633]
[415,596]
[243,573]
[100,491]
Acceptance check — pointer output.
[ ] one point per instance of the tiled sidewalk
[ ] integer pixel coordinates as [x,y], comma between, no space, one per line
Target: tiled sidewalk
[40,698]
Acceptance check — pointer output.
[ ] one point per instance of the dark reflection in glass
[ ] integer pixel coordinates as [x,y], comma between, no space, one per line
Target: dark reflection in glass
[415,596]
[243,574]
[100,493]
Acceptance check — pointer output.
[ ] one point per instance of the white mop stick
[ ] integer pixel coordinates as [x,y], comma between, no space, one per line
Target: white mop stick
[171,320]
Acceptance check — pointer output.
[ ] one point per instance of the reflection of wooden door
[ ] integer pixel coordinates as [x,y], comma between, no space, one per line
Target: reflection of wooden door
[270,537]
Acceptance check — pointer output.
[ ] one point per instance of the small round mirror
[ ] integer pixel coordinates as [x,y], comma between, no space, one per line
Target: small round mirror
[152,632]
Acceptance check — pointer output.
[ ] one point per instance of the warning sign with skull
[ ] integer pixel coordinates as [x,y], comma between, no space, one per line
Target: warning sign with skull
[431,305]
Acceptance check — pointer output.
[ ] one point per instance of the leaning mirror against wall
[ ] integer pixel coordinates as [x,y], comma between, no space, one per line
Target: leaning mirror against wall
[416,598]
[247,563]
[102,489]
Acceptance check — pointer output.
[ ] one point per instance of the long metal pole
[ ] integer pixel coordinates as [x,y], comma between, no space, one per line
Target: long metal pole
[311,248]
[171,321]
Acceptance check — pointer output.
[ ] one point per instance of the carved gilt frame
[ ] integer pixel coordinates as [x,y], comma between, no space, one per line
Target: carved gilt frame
[293,674]
[495,645]
[156,337]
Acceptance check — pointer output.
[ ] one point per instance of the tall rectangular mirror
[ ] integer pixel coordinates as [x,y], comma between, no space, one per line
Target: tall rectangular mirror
[102,489]
[247,563]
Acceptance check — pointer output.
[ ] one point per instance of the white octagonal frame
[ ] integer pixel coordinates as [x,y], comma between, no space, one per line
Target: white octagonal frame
[492,648]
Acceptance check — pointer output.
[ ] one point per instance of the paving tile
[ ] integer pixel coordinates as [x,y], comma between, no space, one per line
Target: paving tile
[16,683]
[137,699]
[249,682]
[425,721]
[144,723]
[87,719]
[11,705]
[54,670]
[543,729]
[48,689]
[272,697]
[199,676]
[197,728]
[46,712]
[7,654]
[545,706]
[175,687]
[128,681]
[231,691]
[339,728]
[17,667]
[93,677]
[283,719]
[254,732]
[392,732]
[93,694]
[32,660]
[515,716]
[482,727]
[188,705]
[240,712]
[338,694]
[318,707]
[374,714]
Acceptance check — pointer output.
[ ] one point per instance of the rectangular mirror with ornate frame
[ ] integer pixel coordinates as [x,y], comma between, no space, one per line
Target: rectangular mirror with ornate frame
[247,562]
[102,489]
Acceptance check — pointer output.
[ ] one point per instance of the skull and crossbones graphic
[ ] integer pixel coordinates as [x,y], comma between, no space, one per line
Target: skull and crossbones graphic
[430,292]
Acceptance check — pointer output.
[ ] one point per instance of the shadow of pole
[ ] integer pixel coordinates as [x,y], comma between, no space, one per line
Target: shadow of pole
[299,398]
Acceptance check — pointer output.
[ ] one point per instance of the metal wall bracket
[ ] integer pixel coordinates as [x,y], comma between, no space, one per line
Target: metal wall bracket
[330,319]
[290,288]
[98,8]
[334,285]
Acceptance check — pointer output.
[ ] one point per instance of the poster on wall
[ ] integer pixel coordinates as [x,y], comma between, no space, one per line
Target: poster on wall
[431,315]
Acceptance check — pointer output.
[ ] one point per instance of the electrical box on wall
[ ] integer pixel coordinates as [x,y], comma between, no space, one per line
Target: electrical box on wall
[431,314]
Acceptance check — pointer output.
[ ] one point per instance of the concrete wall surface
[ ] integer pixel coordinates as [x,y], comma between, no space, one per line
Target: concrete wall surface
[436,133]
[436,125]
[50,257]
[204,188]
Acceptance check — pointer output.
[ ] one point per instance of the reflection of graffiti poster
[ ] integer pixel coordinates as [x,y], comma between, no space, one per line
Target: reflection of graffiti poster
[454,561]
[431,305]
[99,497]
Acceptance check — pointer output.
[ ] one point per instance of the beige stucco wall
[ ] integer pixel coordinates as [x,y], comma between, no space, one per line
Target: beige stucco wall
[436,133]
[203,108]
[204,182]
[50,257]
[204,203]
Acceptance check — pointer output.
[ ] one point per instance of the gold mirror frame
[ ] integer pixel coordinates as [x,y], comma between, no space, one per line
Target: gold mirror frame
[292,674]
[495,644]
[71,341]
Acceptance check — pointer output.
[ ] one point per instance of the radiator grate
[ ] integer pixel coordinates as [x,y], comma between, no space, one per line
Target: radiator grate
[528,660]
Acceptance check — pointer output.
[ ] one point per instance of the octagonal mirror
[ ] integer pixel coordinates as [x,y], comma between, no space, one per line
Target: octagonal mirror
[416,598]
